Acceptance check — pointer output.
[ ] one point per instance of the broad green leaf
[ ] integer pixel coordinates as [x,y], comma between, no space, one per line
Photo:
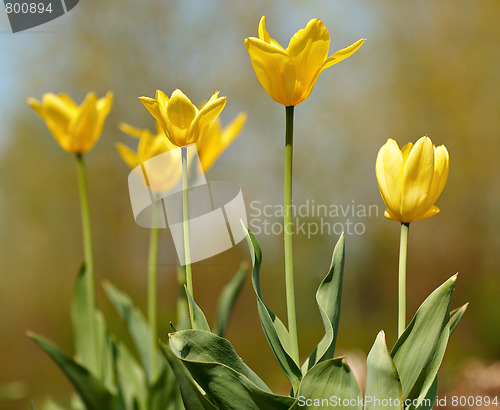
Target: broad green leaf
[137,327]
[217,369]
[192,397]
[131,379]
[83,325]
[275,331]
[330,383]
[419,351]
[203,346]
[383,387]
[106,356]
[430,399]
[199,319]
[93,393]
[227,300]
[328,297]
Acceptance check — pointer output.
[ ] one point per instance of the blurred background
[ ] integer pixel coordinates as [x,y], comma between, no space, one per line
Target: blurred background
[426,68]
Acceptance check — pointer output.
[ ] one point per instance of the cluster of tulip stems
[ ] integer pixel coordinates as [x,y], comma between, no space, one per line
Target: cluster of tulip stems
[196,368]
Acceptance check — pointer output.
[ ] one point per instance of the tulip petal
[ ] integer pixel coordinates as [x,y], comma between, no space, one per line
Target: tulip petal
[417,178]
[264,35]
[342,54]
[128,155]
[433,210]
[391,215]
[58,117]
[441,168]
[180,113]
[274,69]
[84,124]
[130,130]
[154,109]
[215,142]
[308,49]
[389,171]
[205,118]
[68,101]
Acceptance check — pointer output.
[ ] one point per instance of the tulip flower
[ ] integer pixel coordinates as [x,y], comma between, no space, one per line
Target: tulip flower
[182,122]
[288,75]
[159,178]
[411,179]
[410,182]
[217,139]
[75,128]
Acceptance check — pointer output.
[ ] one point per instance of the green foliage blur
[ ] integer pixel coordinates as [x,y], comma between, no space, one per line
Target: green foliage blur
[426,68]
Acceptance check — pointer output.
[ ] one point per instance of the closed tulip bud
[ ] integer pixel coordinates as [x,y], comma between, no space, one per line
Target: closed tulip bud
[411,179]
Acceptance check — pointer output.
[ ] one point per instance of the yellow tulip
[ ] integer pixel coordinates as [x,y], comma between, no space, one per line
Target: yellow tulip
[217,139]
[288,75]
[182,122]
[160,177]
[411,179]
[75,128]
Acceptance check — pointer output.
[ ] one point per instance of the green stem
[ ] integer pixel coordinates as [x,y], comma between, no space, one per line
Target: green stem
[152,284]
[185,226]
[288,236]
[88,256]
[403,252]
[182,305]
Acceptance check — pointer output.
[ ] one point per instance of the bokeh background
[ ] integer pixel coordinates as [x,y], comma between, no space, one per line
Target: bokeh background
[427,67]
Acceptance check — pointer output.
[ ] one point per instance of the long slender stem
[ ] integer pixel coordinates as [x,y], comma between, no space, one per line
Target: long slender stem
[152,285]
[185,226]
[403,252]
[288,236]
[88,256]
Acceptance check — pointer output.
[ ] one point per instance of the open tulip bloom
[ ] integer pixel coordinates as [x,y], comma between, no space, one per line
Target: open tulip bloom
[75,128]
[182,122]
[288,75]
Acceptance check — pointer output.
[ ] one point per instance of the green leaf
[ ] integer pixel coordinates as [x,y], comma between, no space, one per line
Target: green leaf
[106,373]
[83,325]
[419,351]
[275,331]
[328,297]
[215,366]
[228,299]
[383,386]
[137,327]
[330,383]
[131,379]
[456,317]
[93,393]
[203,346]
[199,319]
[430,398]
[192,397]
